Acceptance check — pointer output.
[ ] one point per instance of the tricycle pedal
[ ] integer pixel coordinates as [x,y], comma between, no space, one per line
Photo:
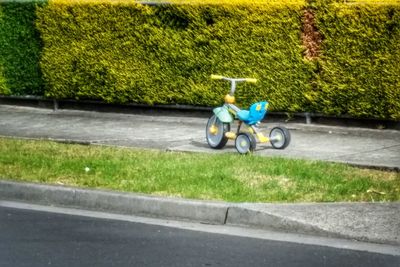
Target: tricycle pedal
[230,135]
[262,138]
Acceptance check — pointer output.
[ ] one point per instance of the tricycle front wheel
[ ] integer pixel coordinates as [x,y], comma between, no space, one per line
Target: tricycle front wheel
[279,137]
[215,132]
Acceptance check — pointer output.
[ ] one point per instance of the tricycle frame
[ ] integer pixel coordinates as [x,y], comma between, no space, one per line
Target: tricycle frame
[218,130]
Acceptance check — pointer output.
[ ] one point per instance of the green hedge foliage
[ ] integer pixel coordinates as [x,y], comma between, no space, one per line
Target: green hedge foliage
[359,70]
[119,51]
[165,54]
[20,48]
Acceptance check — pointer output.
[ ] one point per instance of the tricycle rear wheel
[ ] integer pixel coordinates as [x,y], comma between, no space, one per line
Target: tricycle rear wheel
[245,143]
[279,137]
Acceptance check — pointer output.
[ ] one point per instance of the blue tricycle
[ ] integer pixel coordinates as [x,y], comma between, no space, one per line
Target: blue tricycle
[218,130]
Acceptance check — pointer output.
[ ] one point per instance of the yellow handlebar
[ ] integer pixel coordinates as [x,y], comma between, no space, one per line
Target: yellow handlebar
[216,77]
[251,80]
[220,77]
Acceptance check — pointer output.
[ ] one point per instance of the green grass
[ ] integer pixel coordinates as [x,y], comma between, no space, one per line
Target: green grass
[228,177]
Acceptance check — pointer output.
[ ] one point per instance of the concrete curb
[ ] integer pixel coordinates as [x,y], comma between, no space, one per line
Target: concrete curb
[271,220]
[240,215]
[261,216]
[120,203]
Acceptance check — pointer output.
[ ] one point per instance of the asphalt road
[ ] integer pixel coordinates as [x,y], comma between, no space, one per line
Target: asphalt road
[37,238]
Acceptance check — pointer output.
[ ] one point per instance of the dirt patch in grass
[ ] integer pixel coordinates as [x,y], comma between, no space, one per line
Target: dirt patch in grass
[375,175]
[254,179]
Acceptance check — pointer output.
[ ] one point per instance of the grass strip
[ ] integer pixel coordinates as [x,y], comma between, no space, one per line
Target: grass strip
[228,177]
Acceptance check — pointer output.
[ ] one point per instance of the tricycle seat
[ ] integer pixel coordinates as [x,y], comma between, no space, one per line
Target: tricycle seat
[255,114]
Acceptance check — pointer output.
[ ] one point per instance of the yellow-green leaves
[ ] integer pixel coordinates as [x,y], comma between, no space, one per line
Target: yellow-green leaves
[360,65]
[164,54]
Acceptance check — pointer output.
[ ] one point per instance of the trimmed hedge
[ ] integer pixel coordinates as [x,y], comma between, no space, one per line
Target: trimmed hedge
[20,48]
[359,70]
[121,52]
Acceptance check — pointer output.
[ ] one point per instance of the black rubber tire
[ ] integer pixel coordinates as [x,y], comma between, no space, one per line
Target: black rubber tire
[220,140]
[249,147]
[285,134]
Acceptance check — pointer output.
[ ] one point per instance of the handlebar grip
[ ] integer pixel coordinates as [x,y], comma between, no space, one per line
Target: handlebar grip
[251,80]
[216,77]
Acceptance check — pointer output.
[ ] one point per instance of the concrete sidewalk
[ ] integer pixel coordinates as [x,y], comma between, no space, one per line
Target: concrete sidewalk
[371,222]
[364,147]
